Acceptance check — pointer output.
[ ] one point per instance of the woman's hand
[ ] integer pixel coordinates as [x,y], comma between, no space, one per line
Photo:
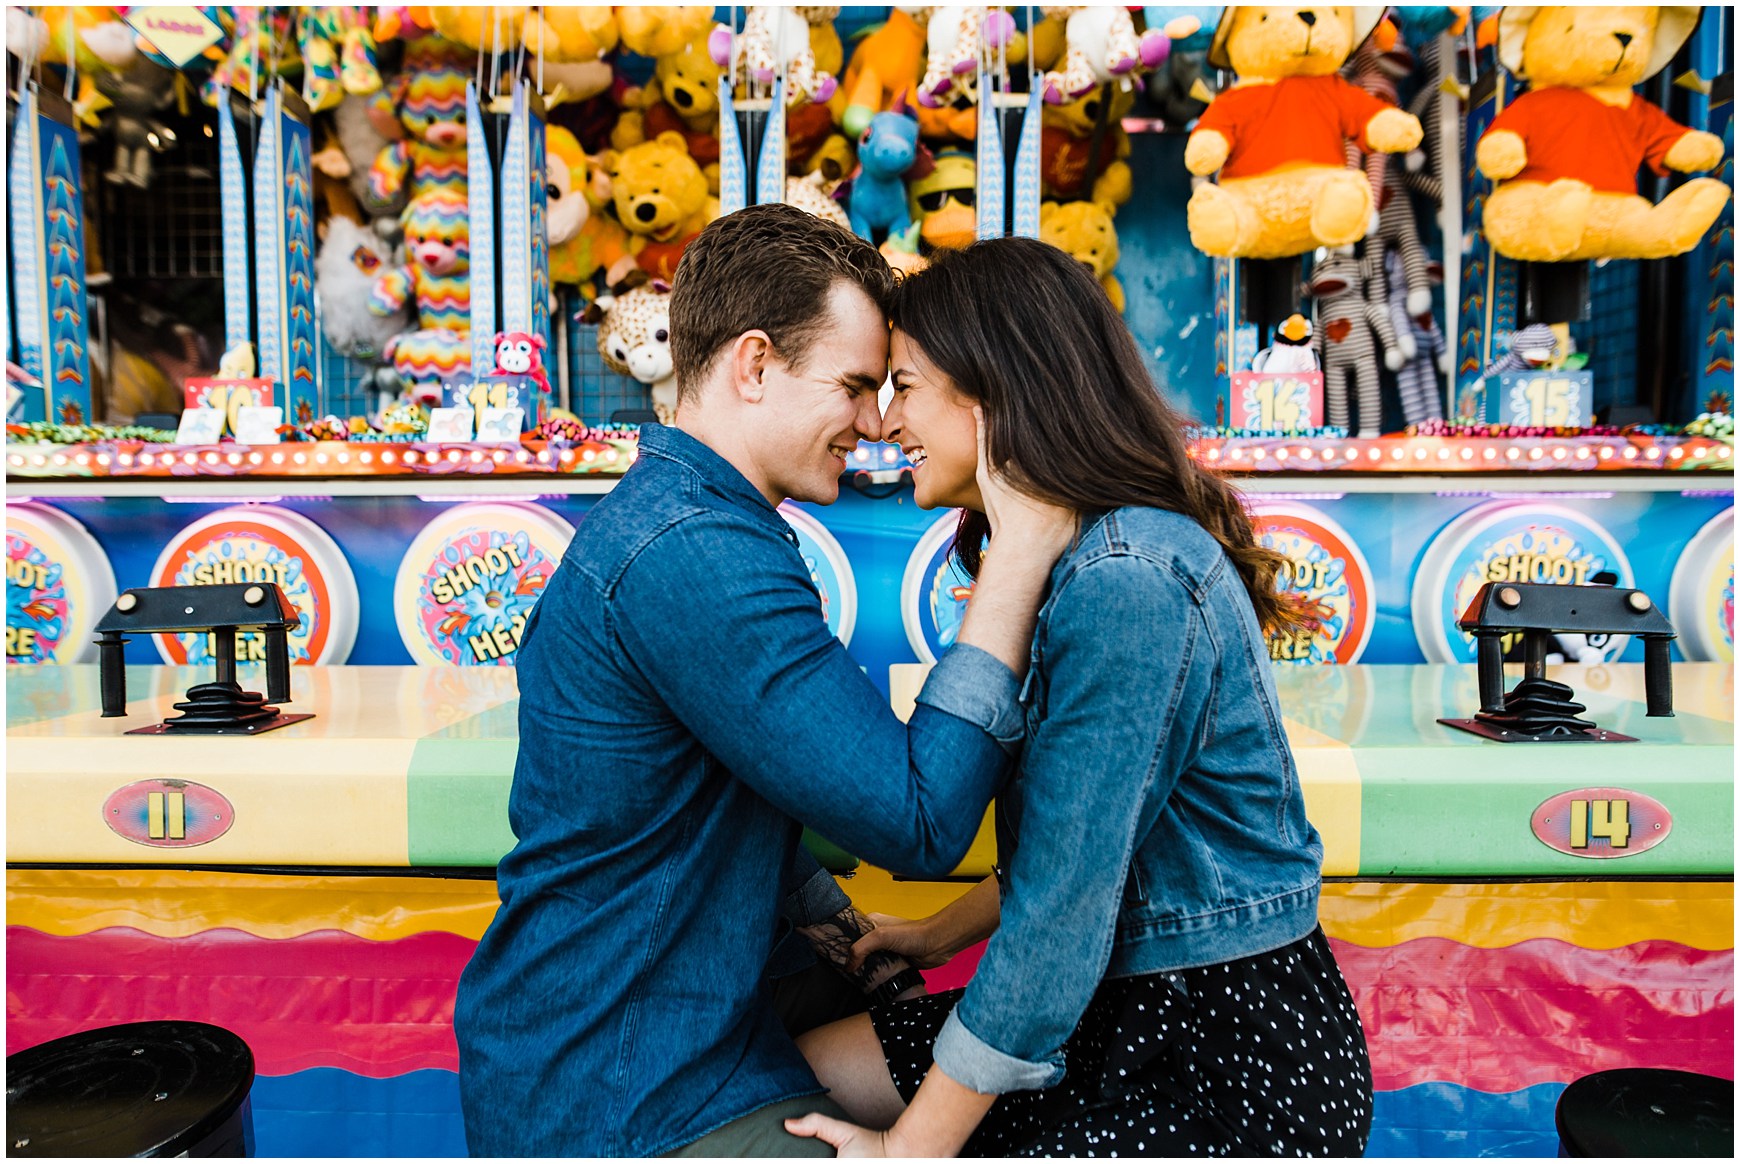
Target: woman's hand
[913,940]
[1017,518]
[847,1139]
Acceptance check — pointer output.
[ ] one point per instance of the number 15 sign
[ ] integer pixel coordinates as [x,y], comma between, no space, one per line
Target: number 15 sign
[1545,399]
[1277,401]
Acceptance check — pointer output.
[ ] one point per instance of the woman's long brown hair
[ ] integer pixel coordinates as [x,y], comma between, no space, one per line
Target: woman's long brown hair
[1071,413]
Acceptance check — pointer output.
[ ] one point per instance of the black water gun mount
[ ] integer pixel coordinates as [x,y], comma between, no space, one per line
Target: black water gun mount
[220,707]
[1540,710]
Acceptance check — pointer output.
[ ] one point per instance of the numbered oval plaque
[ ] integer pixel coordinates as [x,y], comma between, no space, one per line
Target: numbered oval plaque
[1601,822]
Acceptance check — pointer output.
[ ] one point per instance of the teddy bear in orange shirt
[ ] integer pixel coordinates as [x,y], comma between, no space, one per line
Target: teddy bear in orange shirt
[1566,153]
[1279,136]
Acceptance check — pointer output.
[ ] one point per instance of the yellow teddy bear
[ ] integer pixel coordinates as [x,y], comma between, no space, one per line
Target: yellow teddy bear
[661,198]
[682,97]
[1566,153]
[1279,135]
[1084,231]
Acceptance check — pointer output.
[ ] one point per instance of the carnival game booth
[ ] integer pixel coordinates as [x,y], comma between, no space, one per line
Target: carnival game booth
[369,305]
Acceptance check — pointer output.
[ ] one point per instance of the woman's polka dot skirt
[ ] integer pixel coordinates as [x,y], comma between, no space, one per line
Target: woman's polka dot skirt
[1260,1056]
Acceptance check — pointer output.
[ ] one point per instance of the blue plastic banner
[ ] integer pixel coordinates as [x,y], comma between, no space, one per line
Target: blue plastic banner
[48,262]
[233,212]
[1025,222]
[733,169]
[481,186]
[992,172]
[269,241]
[770,166]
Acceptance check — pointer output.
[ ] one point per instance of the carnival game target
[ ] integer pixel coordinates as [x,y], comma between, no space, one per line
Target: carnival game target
[934,591]
[471,579]
[1512,541]
[58,583]
[1701,596]
[828,570]
[261,543]
[1324,566]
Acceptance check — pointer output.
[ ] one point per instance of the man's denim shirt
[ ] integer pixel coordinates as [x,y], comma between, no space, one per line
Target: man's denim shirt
[682,707]
[1158,811]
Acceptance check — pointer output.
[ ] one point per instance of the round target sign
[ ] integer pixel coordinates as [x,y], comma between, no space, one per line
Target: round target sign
[1701,596]
[1512,541]
[828,569]
[1324,566]
[58,583]
[471,579]
[262,543]
[934,591]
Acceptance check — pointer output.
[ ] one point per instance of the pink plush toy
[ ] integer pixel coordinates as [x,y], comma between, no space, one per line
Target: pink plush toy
[520,354]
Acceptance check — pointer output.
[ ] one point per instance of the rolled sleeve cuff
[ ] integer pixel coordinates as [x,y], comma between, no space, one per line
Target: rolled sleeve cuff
[973,685]
[815,901]
[974,1063]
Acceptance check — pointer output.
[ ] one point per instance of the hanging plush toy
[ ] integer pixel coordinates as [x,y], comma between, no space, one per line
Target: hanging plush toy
[1176,86]
[887,154]
[634,337]
[661,198]
[1102,48]
[776,42]
[958,34]
[518,353]
[1292,350]
[941,201]
[1278,137]
[138,94]
[338,55]
[438,280]
[429,98]
[1422,344]
[351,258]
[682,98]
[1566,153]
[1347,324]
[657,30]
[583,237]
[1069,166]
[886,66]
[1085,231]
[1530,349]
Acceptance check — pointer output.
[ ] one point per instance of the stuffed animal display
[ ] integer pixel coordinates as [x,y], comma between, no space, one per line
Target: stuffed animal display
[1292,350]
[661,199]
[888,153]
[520,354]
[437,278]
[634,337]
[776,42]
[584,239]
[1278,137]
[1350,327]
[1085,231]
[1566,153]
[429,99]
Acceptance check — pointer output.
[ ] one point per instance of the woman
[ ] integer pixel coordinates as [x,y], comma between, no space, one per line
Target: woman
[1155,905]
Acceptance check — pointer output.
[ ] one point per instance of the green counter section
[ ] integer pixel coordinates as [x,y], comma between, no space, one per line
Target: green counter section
[407,766]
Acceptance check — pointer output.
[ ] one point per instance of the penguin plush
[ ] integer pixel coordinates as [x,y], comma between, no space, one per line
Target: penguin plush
[1291,351]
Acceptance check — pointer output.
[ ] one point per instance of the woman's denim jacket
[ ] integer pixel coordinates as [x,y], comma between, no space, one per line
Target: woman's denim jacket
[1158,809]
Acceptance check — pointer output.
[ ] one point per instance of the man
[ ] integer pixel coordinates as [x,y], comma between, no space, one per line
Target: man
[683,707]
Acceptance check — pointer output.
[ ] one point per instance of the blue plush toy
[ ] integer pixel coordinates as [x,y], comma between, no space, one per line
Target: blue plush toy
[887,150]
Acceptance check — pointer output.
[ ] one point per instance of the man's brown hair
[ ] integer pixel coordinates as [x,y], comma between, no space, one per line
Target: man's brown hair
[767,267]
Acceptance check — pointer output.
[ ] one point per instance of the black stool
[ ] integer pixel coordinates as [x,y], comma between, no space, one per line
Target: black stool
[1643,1111]
[166,1088]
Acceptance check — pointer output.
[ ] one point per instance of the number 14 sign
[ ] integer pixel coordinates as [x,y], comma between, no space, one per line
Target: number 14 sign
[1277,401]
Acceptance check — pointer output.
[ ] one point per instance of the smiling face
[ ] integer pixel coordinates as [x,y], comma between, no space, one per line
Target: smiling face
[811,416]
[933,424]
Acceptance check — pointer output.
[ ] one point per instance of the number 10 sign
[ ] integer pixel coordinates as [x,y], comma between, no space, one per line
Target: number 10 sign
[1545,399]
[1277,401]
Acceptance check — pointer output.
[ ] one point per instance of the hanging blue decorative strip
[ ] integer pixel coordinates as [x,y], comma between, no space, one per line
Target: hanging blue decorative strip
[770,166]
[733,169]
[516,220]
[540,249]
[269,241]
[480,177]
[233,212]
[1026,197]
[26,243]
[55,273]
[301,397]
[992,171]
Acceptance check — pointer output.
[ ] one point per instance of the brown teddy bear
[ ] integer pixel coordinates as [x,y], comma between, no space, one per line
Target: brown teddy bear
[1278,136]
[1565,154]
